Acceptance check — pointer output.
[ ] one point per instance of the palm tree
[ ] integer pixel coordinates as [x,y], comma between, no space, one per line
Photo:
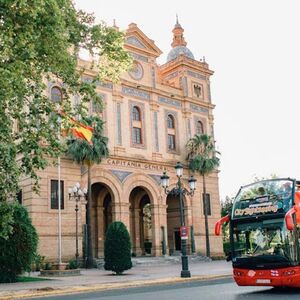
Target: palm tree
[202,158]
[88,154]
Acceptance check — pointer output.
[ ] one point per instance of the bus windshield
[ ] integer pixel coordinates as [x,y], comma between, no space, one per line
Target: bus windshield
[264,243]
[264,197]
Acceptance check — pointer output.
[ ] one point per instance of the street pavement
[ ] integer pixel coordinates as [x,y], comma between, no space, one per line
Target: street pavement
[214,289]
[144,274]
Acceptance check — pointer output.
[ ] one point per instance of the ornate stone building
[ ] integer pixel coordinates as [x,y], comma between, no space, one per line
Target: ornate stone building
[149,115]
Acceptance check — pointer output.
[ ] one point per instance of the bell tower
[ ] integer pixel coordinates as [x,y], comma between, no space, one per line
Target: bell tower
[178,39]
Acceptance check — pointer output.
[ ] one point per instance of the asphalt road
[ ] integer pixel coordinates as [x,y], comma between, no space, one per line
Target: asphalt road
[224,289]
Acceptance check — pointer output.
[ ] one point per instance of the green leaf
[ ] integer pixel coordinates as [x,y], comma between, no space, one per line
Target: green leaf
[39,46]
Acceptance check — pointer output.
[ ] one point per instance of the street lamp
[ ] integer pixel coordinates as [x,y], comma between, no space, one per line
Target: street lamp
[180,191]
[77,193]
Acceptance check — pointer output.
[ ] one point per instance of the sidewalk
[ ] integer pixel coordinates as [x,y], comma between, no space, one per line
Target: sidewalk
[94,279]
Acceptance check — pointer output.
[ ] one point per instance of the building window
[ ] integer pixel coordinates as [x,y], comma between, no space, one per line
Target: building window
[171,132]
[136,115]
[170,122]
[136,123]
[199,127]
[56,94]
[136,135]
[19,197]
[208,207]
[54,194]
[97,106]
[171,142]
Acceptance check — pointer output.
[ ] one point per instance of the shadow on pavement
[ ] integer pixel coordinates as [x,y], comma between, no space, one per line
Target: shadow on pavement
[283,291]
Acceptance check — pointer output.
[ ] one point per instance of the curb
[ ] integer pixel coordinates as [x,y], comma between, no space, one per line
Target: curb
[49,291]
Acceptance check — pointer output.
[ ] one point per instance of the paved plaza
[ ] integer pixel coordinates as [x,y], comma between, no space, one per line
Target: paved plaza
[144,273]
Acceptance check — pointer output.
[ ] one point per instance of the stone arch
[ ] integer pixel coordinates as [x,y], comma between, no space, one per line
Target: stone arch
[144,181]
[143,196]
[187,199]
[110,181]
[106,191]
[173,219]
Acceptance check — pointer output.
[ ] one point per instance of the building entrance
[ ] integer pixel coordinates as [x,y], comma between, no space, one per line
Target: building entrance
[101,217]
[177,240]
[173,223]
[140,222]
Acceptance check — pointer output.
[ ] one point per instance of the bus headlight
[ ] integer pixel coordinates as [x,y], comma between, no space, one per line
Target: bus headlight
[238,273]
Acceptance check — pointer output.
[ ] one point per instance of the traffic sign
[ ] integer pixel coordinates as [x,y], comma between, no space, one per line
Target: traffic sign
[184,232]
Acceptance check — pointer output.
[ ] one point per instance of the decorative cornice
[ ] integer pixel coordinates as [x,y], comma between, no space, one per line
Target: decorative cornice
[116,96]
[89,79]
[137,40]
[184,62]
[171,75]
[139,56]
[196,75]
[135,92]
[132,40]
[169,101]
[198,108]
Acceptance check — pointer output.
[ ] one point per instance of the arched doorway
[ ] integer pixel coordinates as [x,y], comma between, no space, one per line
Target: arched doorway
[140,221]
[107,212]
[173,224]
[101,217]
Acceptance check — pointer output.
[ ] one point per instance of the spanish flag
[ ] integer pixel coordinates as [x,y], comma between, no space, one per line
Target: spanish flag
[81,131]
[78,129]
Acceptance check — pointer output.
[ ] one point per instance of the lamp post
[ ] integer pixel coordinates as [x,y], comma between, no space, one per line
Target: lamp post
[180,191]
[77,193]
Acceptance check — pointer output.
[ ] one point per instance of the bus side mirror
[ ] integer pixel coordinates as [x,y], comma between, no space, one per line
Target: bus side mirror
[289,220]
[220,223]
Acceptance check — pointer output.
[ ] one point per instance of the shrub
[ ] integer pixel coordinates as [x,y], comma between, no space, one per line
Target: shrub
[47,266]
[17,250]
[38,262]
[73,265]
[117,248]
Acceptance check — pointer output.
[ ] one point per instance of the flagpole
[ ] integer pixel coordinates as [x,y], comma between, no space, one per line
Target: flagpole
[59,197]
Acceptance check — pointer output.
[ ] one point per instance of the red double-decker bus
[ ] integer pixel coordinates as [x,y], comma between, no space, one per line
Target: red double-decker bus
[264,236]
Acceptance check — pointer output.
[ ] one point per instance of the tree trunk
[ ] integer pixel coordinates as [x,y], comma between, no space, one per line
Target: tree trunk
[206,218]
[89,263]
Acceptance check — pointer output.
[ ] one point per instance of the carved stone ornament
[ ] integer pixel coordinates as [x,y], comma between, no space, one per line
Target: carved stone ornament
[137,71]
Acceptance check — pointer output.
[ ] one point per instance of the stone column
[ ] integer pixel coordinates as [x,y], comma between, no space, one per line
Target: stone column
[164,223]
[153,77]
[187,121]
[94,229]
[189,222]
[122,214]
[118,106]
[81,224]
[156,231]
[119,122]
[137,249]
[154,107]
[185,86]
[100,238]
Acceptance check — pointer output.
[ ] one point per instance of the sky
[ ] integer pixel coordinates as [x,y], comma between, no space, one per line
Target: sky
[253,47]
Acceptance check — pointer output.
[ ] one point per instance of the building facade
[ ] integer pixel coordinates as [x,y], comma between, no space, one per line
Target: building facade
[149,117]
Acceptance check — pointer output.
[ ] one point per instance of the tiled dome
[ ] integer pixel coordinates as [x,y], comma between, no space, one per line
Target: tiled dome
[180,50]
